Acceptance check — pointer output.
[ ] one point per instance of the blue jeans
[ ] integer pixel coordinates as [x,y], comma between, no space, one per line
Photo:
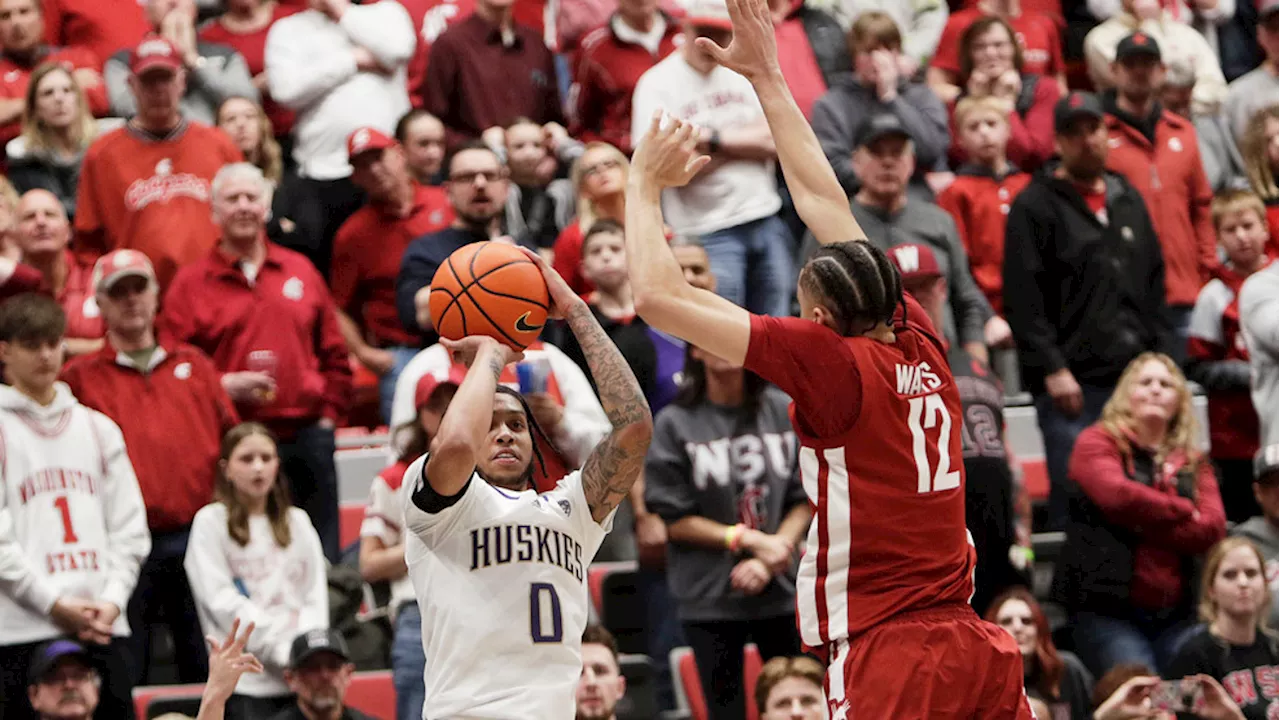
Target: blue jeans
[1180,315]
[407,663]
[387,383]
[1059,433]
[1150,638]
[752,263]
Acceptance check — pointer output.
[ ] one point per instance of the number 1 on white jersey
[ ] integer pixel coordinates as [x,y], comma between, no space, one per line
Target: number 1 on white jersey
[926,413]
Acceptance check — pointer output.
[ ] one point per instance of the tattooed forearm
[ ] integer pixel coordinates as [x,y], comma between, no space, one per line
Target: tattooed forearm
[495,367]
[616,462]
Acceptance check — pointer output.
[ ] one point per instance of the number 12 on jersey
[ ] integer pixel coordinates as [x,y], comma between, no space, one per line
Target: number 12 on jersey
[927,413]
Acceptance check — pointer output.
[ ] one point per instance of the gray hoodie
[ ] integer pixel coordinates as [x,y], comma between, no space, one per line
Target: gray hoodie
[1264,535]
[1260,321]
[838,114]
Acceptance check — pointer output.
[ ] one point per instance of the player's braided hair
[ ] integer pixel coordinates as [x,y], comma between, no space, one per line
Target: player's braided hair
[856,282]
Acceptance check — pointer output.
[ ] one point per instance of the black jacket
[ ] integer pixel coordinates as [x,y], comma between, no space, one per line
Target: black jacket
[35,171]
[1078,293]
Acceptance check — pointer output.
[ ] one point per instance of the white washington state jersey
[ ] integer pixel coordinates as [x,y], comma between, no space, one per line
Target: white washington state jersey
[72,520]
[501,579]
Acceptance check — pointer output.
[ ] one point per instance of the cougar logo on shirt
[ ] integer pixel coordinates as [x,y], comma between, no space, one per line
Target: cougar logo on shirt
[741,458]
[292,289]
[164,186]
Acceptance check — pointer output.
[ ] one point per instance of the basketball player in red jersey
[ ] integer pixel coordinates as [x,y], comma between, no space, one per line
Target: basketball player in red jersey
[886,575]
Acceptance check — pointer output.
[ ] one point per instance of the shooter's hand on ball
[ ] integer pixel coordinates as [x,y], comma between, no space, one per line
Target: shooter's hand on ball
[563,298]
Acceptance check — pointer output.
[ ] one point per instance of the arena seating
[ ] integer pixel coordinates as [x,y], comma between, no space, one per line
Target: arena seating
[690,700]
[370,692]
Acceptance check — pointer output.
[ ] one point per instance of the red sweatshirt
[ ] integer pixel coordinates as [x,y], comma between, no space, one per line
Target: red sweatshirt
[979,203]
[1169,528]
[1170,176]
[105,27]
[286,313]
[173,416]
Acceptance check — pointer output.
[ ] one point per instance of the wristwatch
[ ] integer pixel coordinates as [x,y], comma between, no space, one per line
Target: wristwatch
[713,142]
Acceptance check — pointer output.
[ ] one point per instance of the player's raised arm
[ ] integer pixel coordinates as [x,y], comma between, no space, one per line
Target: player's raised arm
[667,157]
[753,54]
[460,441]
[615,463]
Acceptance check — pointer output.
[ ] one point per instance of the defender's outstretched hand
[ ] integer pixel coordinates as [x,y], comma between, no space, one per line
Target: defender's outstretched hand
[668,156]
[753,52]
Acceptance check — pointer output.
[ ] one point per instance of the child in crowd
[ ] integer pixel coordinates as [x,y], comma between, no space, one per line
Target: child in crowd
[382,545]
[604,264]
[254,557]
[983,190]
[539,206]
[1216,352]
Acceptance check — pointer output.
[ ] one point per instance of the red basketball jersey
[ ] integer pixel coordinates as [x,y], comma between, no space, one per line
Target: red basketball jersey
[887,487]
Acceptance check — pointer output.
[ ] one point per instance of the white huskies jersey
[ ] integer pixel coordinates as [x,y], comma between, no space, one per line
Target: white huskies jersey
[501,579]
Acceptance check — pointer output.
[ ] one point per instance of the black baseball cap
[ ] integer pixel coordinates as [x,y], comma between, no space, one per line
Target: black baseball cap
[1137,44]
[313,642]
[1266,463]
[880,125]
[1073,106]
[47,656]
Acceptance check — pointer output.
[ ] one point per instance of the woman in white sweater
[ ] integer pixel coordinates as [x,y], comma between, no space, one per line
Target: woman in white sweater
[253,557]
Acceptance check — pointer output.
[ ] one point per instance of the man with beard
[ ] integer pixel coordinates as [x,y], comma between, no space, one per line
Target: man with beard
[64,683]
[1158,152]
[477,185]
[319,673]
[1083,285]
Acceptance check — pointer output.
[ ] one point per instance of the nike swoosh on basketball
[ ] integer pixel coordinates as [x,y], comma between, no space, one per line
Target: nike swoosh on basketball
[522,324]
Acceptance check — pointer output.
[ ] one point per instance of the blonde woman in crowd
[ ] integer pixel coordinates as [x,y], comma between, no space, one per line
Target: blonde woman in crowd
[600,178]
[1234,646]
[57,128]
[1143,503]
[255,558]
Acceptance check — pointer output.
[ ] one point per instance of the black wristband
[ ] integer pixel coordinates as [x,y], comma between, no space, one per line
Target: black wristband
[713,143]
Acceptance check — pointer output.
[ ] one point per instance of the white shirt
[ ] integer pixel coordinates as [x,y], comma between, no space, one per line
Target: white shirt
[1179,44]
[72,521]
[285,591]
[382,517]
[736,192]
[501,579]
[311,69]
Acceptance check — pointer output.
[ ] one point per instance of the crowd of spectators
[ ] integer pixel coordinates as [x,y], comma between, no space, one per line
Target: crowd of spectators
[220,221]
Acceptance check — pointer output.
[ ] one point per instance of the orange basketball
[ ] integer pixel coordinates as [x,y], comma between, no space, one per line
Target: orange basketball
[489,288]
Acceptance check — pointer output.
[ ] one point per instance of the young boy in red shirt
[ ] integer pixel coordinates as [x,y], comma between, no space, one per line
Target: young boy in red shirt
[1217,356]
[983,190]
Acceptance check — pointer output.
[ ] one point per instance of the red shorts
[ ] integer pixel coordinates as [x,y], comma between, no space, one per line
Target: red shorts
[941,664]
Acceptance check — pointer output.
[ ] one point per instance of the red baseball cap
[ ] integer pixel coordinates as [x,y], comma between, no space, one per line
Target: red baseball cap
[119,264]
[915,262]
[155,52]
[429,383]
[367,139]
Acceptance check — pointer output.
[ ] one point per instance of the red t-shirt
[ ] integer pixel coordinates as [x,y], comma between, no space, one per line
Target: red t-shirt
[881,461]
[252,46]
[1094,199]
[151,195]
[1037,34]
[366,261]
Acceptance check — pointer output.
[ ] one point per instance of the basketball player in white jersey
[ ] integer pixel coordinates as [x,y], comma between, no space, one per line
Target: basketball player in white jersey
[73,529]
[500,571]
